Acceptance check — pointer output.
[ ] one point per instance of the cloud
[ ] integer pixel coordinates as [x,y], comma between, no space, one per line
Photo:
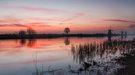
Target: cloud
[75,16]
[132,26]
[119,20]
[38,24]
[71,14]
[51,10]
[25,25]
[11,25]
[42,9]
[9,20]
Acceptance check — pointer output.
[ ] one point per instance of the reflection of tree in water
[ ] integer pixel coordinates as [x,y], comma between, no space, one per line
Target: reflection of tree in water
[67,41]
[31,42]
[23,42]
[27,42]
[99,58]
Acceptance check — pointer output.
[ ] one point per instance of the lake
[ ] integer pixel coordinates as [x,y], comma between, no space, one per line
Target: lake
[68,56]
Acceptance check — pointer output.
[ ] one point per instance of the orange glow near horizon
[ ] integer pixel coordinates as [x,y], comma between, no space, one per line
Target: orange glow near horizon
[43,28]
[85,17]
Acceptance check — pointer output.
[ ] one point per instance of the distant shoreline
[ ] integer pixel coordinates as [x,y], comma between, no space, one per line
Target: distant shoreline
[35,36]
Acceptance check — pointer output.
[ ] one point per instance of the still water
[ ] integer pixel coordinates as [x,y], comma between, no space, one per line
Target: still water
[68,56]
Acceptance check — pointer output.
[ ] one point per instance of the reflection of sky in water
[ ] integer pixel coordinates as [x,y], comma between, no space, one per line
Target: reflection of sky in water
[18,57]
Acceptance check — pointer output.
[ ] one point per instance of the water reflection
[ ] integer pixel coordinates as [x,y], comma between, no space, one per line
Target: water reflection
[23,42]
[67,41]
[27,42]
[67,56]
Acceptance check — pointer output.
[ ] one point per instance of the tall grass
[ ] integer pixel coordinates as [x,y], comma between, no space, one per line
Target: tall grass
[87,51]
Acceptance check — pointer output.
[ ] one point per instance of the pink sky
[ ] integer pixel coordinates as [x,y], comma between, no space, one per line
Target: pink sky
[53,16]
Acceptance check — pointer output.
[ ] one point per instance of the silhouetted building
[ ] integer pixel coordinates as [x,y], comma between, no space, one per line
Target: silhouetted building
[122,33]
[125,33]
[109,34]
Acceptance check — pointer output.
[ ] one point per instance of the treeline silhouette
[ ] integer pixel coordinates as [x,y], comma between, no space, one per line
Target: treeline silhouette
[34,36]
[30,33]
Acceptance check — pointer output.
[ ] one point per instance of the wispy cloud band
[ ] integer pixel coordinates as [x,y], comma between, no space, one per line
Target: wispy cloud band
[119,20]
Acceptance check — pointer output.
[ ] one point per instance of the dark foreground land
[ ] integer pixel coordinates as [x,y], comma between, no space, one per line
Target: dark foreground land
[34,36]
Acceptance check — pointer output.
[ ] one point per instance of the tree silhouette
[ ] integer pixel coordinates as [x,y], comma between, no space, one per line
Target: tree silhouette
[30,31]
[67,30]
[22,34]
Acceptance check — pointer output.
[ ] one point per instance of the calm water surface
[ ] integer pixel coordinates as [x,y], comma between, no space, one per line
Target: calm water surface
[67,56]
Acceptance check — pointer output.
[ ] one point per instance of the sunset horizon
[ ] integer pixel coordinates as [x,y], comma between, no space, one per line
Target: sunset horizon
[67,37]
[86,16]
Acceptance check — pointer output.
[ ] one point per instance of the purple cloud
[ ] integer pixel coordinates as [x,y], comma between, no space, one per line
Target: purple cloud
[119,20]
[132,26]
[11,25]
[25,25]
